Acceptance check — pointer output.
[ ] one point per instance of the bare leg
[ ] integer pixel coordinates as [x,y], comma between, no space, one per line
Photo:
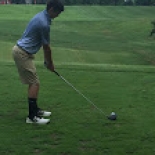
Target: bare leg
[33,91]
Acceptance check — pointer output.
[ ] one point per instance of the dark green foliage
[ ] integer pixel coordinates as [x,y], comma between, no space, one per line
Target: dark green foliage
[95,2]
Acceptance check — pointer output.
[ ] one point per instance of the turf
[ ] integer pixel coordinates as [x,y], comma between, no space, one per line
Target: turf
[106,53]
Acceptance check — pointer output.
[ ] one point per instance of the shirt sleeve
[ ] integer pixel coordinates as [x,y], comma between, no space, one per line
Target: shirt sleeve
[45,35]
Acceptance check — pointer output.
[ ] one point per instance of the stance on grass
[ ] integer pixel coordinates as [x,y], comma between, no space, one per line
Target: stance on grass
[35,36]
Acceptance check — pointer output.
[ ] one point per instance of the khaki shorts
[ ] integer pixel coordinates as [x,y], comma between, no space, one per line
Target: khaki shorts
[26,68]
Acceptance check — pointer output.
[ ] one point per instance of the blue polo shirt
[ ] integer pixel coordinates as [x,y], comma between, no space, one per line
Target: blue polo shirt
[36,34]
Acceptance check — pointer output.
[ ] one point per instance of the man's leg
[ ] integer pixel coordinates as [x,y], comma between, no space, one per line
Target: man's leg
[28,75]
[34,110]
[33,90]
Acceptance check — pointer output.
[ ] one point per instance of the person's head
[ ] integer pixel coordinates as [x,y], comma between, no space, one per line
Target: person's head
[54,8]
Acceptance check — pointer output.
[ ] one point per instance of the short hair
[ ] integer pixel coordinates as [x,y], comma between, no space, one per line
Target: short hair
[57,5]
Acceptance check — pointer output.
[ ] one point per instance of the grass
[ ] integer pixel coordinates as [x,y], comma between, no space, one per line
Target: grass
[106,53]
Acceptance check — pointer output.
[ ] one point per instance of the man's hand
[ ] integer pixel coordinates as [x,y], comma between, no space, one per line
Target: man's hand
[48,58]
[49,66]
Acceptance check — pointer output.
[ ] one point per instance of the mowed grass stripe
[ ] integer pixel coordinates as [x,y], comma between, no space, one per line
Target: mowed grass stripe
[107,40]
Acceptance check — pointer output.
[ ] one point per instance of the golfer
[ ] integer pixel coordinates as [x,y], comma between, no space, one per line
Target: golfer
[35,36]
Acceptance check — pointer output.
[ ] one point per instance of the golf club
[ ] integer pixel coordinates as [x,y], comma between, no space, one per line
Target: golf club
[112,116]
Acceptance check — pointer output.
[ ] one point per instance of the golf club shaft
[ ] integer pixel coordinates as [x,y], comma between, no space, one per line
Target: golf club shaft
[79,92]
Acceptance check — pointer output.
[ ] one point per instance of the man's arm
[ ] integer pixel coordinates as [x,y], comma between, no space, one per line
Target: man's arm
[48,57]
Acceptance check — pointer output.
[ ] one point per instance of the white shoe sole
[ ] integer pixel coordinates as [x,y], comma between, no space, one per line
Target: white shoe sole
[46,114]
[40,121]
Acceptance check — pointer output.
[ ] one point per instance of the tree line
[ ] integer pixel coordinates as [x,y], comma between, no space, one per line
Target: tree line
[93,2]
[110,2]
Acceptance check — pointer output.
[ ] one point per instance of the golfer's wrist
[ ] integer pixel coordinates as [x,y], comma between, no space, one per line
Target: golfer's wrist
[47,63]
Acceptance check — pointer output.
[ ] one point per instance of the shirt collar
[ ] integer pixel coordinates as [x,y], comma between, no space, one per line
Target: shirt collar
[49,19]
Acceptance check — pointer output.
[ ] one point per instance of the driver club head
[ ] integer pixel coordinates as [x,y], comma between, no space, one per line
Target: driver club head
[112,116]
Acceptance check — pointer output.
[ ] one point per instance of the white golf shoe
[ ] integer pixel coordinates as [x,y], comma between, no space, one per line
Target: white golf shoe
[37,120]
[43,113]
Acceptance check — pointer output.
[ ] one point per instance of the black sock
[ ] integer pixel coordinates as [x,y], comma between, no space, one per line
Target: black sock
[32,107]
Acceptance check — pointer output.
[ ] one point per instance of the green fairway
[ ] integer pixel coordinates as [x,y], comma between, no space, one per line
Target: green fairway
[106,53]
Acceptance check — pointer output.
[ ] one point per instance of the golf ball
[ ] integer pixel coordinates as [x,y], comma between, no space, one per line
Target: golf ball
[113,113]
[112,116]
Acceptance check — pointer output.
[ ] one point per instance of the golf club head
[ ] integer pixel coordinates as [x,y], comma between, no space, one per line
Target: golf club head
[112,116]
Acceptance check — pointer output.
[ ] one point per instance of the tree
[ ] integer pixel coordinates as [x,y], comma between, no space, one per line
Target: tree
[145,2]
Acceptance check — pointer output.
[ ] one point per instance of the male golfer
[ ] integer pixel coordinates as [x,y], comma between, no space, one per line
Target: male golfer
[35,36]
